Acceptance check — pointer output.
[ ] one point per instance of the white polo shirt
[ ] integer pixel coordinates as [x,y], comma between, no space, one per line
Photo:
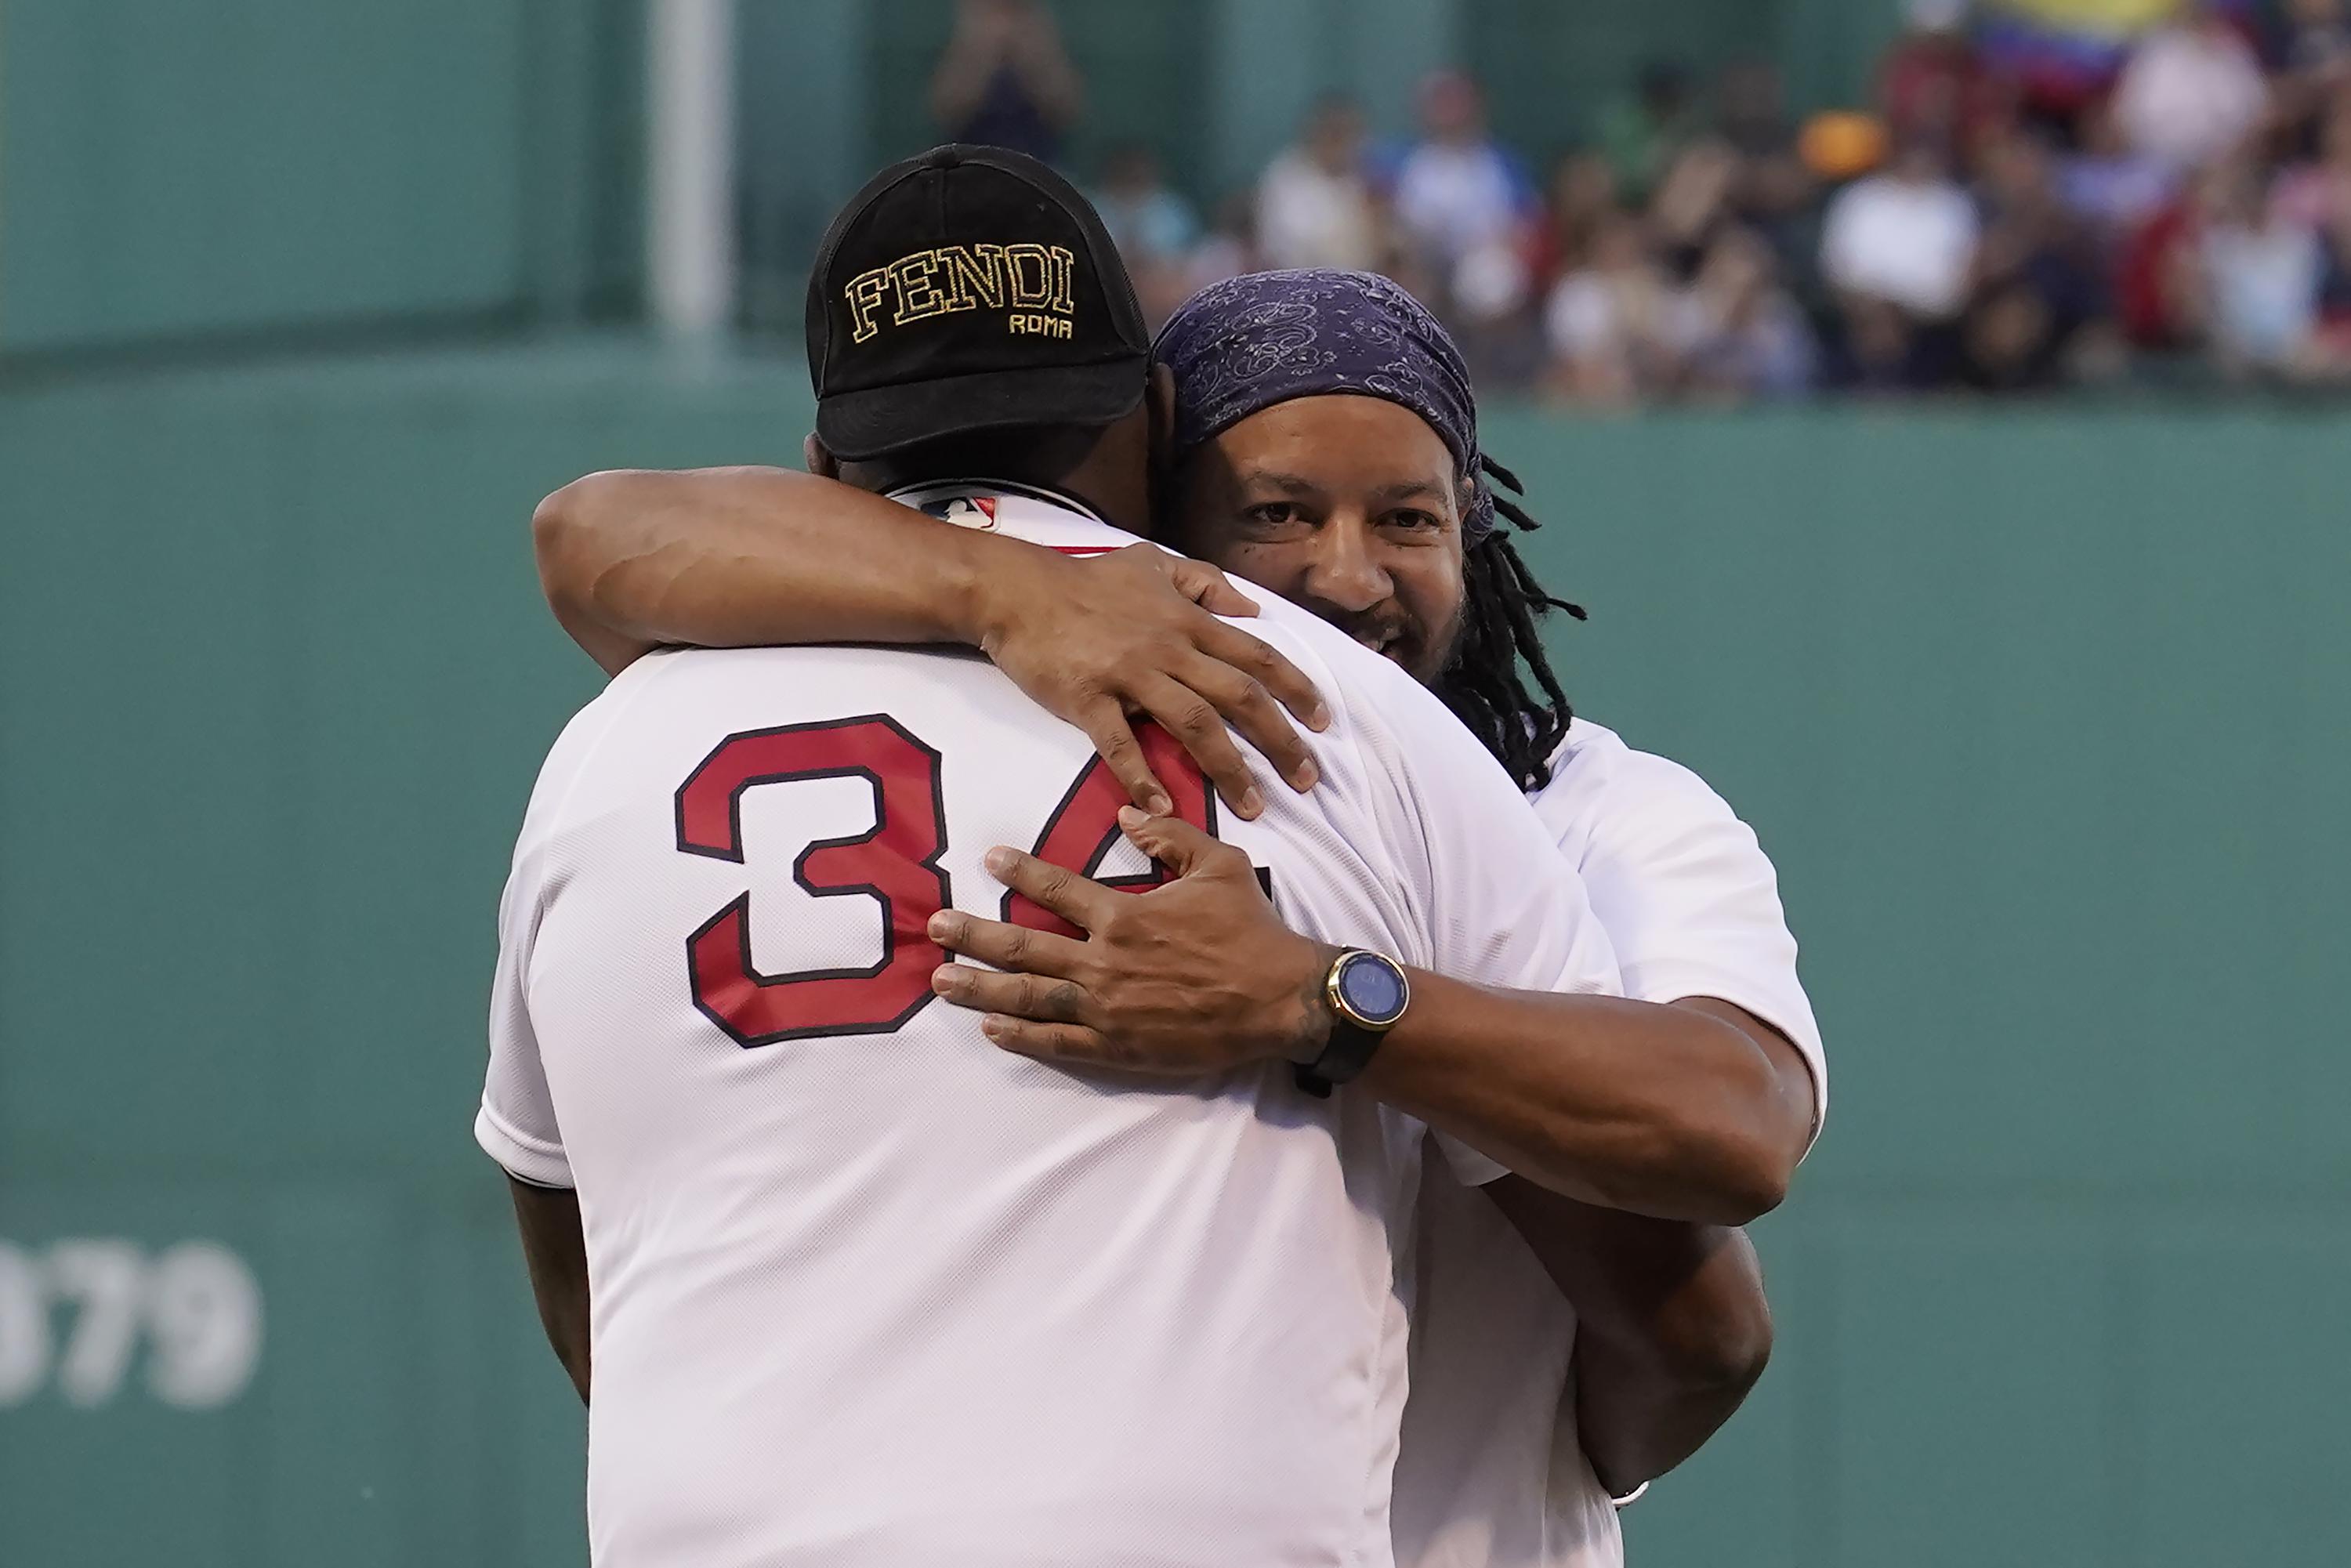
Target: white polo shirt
[1490,1474]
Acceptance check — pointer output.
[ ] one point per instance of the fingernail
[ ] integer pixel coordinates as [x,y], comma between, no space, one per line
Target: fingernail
[1319,718]
[993,1028]
[943,981]
[1160,805]
[997,860]
[1129,817]
[1306,775]
[1251,802]
[941,926]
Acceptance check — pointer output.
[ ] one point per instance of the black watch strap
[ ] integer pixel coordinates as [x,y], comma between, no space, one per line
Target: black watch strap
[1344,1058]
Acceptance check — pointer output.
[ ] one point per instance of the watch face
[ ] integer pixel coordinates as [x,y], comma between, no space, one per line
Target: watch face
[1373,988]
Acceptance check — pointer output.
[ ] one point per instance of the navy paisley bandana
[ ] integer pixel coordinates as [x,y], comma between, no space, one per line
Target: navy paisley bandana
[1243,345]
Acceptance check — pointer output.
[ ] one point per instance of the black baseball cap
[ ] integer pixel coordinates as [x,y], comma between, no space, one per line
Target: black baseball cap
[969,288]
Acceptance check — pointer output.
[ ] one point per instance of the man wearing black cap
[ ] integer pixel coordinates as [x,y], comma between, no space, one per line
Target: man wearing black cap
[913,309]
[866,1289]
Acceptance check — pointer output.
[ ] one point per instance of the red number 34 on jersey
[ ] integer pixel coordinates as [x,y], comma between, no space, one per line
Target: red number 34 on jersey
[895,863]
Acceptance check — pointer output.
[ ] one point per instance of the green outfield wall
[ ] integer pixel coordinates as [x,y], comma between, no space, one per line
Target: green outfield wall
[237,174]
[177,175]
[2040,710]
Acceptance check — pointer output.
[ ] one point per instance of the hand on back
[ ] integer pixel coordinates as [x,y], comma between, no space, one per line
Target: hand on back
[1196,976]
[1103,641]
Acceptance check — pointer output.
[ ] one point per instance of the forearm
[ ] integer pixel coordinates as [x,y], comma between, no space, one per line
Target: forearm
[1636,1417]
[1672,1327]
[1694,1110]
[1662,1111]
[743,557]
[556,1253]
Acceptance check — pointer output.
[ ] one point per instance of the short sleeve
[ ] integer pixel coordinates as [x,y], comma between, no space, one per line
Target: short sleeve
[1689,899]
[516,1125]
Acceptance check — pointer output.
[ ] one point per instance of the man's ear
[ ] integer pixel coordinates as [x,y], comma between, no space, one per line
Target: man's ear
[1159,433]
[1159,397]
[821,463]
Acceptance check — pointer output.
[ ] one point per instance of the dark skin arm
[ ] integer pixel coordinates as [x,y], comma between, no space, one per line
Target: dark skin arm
[729,558]
[555,1249]
[1671,1112]
[1623,1105]
[626,557]
[1672,1326]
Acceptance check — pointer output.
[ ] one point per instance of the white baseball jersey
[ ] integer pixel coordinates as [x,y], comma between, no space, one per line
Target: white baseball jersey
[1491,1473]
[867,1290]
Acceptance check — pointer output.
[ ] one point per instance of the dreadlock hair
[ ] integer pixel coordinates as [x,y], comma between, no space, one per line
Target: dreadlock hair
[1499,645]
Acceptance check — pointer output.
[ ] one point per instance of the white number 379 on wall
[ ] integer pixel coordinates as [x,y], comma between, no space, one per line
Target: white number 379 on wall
[76,1311]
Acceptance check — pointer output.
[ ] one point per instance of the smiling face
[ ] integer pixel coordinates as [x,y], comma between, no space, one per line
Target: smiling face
[1350,507]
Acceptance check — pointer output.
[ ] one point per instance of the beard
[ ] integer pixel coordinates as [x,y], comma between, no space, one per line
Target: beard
[1423,652]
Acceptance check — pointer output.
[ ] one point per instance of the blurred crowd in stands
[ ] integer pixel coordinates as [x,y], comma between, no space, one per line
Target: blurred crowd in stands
[2022,208]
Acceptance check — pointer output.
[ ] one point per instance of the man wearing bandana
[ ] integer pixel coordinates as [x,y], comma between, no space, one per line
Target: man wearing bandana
[867,1288]
[1581,1323]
